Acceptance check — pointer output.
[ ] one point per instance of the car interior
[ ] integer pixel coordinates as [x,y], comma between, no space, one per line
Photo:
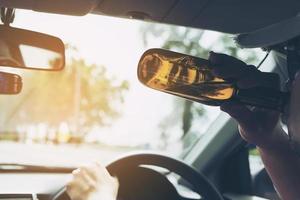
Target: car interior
[217,164]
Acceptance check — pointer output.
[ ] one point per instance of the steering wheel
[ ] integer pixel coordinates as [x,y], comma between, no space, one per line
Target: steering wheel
[200,183]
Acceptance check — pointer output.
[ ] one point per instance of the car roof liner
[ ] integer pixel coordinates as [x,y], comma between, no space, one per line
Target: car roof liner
[271,35]
[67,7]
[229,16]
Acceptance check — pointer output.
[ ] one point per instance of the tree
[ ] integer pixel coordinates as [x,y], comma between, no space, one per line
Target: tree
[82,95]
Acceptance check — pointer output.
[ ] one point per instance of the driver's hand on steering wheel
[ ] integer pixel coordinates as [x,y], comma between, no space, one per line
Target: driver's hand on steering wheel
[92,182]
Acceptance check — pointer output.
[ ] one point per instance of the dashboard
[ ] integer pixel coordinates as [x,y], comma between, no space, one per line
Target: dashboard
[18,196]
[31,186]
[44,186]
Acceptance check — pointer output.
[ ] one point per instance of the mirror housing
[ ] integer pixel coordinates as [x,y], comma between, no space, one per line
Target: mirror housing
[26,49]
[10,83]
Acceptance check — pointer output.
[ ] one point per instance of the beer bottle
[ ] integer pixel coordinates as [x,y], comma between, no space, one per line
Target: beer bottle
[192,78]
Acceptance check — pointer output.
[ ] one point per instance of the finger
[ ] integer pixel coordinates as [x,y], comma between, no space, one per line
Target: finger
[73,191]
[220,59]
[264,79]
[88,180]
[102,169]
[226,72]
[247,76]
[83,180]
[115,183]
[229,67]
[239,112]
[76,194]
[76,171]
[78,183]
[72,195]
[97,172]
[92,172]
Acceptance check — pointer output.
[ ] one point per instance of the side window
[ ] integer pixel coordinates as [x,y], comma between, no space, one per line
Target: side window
[255,162]
[261,182]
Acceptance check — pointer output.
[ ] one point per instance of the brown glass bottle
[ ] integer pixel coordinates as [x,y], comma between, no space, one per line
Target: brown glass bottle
[191,77]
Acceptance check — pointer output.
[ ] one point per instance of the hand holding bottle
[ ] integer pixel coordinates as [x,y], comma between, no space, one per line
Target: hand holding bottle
[257,125]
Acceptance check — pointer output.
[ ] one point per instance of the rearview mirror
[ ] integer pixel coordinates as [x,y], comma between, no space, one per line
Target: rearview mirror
[26,49]
[10,83]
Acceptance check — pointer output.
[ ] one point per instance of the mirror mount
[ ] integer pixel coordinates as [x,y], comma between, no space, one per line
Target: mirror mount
[7,15]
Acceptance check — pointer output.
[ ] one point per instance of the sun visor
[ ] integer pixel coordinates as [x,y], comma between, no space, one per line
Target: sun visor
[228,16]
[236,16]
[67,7]
[271,35]
[152,10]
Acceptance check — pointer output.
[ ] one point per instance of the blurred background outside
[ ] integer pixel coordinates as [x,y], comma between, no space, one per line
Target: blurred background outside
[95,109]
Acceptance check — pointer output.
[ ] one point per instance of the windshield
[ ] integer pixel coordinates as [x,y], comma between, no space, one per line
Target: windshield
[95,109]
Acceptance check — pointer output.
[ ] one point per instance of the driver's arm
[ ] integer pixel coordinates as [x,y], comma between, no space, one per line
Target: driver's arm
[262,127]
[92,182]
